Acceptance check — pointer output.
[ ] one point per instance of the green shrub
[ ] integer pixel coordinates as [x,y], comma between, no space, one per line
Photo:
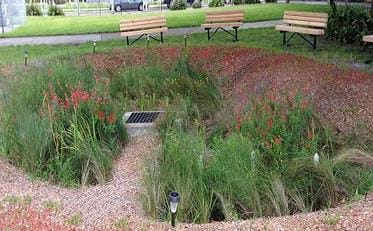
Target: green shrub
[197,4]
[349,24]
[54,10]
[33,10]
[216,3]
[178,5]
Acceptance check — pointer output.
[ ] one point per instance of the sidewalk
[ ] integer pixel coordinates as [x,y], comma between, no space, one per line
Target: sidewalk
[77,39]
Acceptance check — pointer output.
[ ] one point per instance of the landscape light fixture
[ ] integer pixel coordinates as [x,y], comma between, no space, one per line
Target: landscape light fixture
[185,40]
[174,201]
[316,159]
[26,57]
[148,39]
[94,46]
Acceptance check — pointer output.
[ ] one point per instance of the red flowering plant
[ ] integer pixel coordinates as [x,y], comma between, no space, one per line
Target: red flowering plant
[76,102]
[282,132]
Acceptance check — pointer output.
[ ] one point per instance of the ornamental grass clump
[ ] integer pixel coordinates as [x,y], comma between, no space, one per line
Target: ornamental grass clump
[263,164]
[59,122]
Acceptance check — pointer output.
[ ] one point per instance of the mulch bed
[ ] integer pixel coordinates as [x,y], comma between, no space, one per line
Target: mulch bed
[343,99]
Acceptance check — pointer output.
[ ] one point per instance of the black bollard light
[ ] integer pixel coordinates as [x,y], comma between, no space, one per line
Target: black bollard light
[174,201]
[26,57]
[185,40]
[94,46]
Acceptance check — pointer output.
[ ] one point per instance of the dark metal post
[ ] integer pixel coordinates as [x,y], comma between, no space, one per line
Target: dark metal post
[162,37]
[208,33]
[314,42]
[284,38]
[26,57]
[236,33]
[173,219]
[128,41]
[1,17]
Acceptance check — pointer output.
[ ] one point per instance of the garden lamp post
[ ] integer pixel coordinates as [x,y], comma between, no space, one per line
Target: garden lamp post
[94,46]
[26,57]
[174,201]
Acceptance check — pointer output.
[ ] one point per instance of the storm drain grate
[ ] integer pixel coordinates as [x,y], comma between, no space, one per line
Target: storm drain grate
[143,117]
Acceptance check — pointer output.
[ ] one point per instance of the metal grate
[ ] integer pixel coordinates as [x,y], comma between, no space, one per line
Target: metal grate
[143,117]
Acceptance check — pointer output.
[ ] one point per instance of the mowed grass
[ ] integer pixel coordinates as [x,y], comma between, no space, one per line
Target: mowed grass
[267,38]
[37,26]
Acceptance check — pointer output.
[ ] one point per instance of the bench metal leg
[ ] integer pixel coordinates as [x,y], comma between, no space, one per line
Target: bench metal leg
[162,37]
[208,34]
[128,41]
[287,40]
[314,42]
[236,33]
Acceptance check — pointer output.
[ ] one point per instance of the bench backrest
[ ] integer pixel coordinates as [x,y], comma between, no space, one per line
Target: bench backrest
[138,24]
[306,19]
[231,16]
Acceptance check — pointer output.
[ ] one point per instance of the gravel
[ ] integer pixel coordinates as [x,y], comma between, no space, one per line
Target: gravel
[96,206]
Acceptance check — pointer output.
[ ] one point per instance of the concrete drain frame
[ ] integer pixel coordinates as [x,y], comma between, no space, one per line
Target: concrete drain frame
[140,123]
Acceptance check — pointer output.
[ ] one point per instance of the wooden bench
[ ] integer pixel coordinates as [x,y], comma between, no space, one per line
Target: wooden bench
[143,26]
[313,24]
[368,39]
[222,20]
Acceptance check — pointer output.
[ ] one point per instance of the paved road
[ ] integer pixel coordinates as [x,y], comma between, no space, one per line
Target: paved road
[77,39]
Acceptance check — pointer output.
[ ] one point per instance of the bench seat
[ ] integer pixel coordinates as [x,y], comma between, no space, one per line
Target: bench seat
[299,29]
[222,24]
[147,31]
[368,39]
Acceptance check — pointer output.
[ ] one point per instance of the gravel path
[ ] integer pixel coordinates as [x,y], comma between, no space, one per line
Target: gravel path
[101,207]
[96,206]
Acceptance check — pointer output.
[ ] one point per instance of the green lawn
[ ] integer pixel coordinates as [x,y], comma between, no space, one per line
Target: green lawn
[268,38]
[191,17]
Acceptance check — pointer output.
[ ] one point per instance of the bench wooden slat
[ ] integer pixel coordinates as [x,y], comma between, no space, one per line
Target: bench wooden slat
[307,14]
[302,18]
[368,38]
[216,25]
[228,19]
[147,31]
[229,12]
[142,19]
[139,23]
[305,23]
[224,16]
[302,30]
[131,27]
